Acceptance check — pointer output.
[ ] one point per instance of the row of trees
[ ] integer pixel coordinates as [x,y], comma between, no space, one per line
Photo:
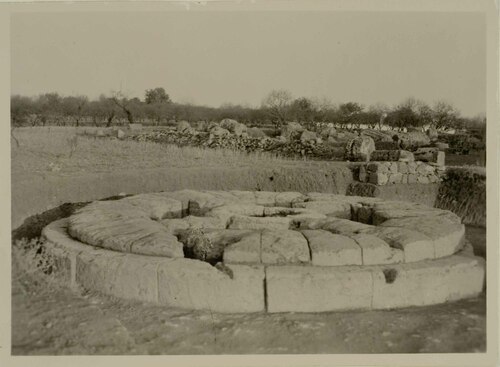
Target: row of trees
[278,107]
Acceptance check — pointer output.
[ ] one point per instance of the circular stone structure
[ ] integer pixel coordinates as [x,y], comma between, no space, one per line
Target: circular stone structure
[242,251]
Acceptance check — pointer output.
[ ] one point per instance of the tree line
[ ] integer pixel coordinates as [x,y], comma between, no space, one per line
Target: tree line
[277,108]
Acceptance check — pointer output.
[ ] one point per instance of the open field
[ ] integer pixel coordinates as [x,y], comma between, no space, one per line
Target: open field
[49,149]
[50,319]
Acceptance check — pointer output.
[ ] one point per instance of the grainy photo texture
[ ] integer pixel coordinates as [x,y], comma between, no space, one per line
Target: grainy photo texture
[195,182]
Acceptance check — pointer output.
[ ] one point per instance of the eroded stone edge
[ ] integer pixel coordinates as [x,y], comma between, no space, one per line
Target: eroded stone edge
[61,245]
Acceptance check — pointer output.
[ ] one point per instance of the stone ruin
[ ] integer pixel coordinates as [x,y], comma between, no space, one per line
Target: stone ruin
[242,251]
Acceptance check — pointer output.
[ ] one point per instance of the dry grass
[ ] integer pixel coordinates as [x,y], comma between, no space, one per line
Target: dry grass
[61,150]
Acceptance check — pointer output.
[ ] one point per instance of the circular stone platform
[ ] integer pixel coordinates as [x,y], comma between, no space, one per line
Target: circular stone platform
[241,251]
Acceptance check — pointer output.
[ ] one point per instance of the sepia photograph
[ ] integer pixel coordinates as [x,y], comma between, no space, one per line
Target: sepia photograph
[252,179]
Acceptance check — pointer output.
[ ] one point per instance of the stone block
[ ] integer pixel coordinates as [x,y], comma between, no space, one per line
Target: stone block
[428,282]
[274,223]
[446,235]
[393,167]
[362,174]
[286,199]
[339,209]
[412,178]
[402,167]
[404,179]
[395,178]
[378,178]
[415,245]
[284,247]
[379,167]
[406,156]
[423,179]
[158,207]
[121,275]
[245,251]
[196,284]
[317,289]
[376,251]
[265,198]
[344,226]
[328,249]
[225,212]
[412,167]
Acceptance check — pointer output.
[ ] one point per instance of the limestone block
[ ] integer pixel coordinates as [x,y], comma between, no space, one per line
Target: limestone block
[194,202]
[265,198]
[402,167]
[205,222]
[225,212]
[244,251]
[415,245]
[412,178]
[242,222]
[377,251]
[404,179]
[284,247]
[195,284]
[174,226]
[328,249]
[121,275]
[395,178]
[423,179]
[344,226]
[412,167]
[286,199]
[317,289]
[406,156]
[362,175]
[379,167]
[393,167]
[433,178]
[158,207]
[340,209]
[247,197]
[428,282]
[378,178]
[447,236]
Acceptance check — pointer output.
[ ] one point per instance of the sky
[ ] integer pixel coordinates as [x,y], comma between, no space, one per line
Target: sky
[212,58]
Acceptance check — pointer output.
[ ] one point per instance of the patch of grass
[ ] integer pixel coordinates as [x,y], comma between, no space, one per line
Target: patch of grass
[55,149]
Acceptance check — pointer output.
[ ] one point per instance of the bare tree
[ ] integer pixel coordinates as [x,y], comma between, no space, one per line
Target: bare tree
[277,103]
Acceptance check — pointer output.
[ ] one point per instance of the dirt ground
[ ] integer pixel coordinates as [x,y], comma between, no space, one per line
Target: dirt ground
[48,319]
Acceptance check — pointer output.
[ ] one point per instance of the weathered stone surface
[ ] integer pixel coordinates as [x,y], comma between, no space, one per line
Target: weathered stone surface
[412,167]
[360,149]
[412,178]
[225,212]
[378,178]
[307,136]
[195,202]
[158,207]
[255,132]
[317,288]
[377,251]
[284,247]
[428,282]
[233,126]
[339,209]
[362,174]
[245,251]
[415,245]
[291,128]
[122,231]
[447,236]
[379,167]
[393,167]
[206,222]
[406,156]
[121,275]
[442,146]
[402,167]
[344,226]
[287,199]
[242,222]
[395,178]
[195,284]
[265,198]
[423,179]
[328,249]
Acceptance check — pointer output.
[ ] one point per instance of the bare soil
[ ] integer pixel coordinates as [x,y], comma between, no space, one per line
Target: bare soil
[49,319]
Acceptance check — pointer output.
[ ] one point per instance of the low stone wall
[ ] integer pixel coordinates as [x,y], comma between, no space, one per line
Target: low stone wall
[386,173]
